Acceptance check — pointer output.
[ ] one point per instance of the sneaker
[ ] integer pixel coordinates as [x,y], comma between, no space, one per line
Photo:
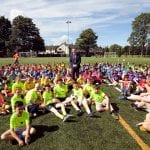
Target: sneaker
[91,114]
[122,98]
[34,114]
[134,107]
[115,107]
[79,113]
[115,115]
[67,117]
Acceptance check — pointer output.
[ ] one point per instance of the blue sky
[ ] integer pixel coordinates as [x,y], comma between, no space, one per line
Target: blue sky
[110,19]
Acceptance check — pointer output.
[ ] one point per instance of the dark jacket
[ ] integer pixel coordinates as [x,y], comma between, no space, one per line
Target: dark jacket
[77,61]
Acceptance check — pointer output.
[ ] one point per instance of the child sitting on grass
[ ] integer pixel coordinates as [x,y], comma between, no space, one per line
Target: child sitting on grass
[7,89]
[145,125]
[102,101]
[4,108]
[20,128]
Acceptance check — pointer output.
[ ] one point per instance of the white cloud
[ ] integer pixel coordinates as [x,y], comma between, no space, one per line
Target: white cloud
[50,15]
[58,41]
[14,13]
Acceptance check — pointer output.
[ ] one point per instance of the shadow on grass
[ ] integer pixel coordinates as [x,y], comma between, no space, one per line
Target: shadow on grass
[115,107]
[40,129]
[71,121]
[95,116]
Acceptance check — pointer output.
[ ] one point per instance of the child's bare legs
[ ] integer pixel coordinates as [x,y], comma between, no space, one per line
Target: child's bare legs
[104,105]
[80,101]
[134,97]
[146,123]
[67,100]
[140,104]
[7,135]
[56,113]
[74,104]
[61,105]
[32,131]
[86,106]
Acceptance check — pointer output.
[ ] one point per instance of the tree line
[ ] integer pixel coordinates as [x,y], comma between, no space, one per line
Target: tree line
[20,35]
[139,39]
[23,35]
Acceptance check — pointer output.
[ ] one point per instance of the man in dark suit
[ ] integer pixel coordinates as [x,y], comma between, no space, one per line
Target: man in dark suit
[75,60]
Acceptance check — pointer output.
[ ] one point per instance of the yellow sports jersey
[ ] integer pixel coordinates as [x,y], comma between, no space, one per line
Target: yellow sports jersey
[88,88]
[28,86]
[81,81]
[46,81]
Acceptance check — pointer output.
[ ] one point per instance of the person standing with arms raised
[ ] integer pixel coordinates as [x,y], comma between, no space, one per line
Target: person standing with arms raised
[75,60]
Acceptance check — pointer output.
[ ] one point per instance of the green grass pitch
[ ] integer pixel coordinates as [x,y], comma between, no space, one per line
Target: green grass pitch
[83,133]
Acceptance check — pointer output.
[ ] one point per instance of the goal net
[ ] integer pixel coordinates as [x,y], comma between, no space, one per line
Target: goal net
[27,54]
[110,54]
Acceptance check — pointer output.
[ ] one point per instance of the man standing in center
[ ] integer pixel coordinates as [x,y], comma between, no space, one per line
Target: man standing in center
[75,60]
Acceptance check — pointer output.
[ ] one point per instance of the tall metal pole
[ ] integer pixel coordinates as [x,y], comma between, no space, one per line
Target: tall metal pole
[148,39]
[68,22]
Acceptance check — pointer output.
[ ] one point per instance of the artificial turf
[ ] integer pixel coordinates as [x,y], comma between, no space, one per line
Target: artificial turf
[84,133]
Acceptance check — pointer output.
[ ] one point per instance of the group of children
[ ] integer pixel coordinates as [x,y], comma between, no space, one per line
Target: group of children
[34,88]
[133,82]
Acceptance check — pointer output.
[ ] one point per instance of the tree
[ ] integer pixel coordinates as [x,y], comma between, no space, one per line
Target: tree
[5,31]
[140,31]
[125,50]
[25,35]
[87,40]
[116,48]
[106,49]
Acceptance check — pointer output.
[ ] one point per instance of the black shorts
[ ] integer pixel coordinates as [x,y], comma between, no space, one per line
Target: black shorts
[19,134]
[61,99]
[33,108]
[49,106]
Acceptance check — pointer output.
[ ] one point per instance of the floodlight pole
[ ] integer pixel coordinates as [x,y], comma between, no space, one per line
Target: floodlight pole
[68,22]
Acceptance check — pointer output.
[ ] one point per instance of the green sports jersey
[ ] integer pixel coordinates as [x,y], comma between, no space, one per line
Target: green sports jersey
[78,92]
[97,97]
[17,122]
[48,96]
[31,96]
[60,92]
[14,99]
[17,85]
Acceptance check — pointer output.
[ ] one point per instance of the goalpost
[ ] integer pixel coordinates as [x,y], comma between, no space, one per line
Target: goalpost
[27,54]
[110,54]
